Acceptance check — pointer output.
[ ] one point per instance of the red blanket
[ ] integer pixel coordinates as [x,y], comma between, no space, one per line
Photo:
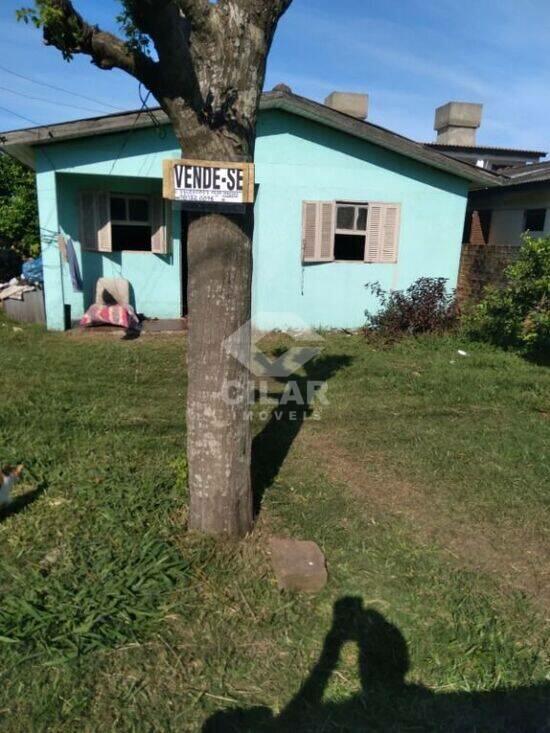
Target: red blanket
[111,315]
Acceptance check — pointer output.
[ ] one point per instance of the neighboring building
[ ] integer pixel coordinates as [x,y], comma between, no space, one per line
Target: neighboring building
[521,203]
[495,222]
[340,203]
[497,216]
[456,124]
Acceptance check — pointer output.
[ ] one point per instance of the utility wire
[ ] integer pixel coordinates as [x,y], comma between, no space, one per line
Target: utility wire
[130,131]
[58,89]
[22,117]
[144,100]
[33,122]
[161,131]
[50,101]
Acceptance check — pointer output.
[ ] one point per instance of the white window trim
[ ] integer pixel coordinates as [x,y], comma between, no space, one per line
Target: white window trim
[351,232]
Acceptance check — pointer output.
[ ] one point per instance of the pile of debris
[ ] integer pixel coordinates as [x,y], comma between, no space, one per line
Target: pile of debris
[22,297]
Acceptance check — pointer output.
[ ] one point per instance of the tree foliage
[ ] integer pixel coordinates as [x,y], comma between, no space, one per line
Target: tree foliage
[19,229]
[204,62]
[518,316]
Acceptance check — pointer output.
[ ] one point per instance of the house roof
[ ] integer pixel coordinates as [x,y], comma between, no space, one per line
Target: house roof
[532,173]
[487,149]
[19,143]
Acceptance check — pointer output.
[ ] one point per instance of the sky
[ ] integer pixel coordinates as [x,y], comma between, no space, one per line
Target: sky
[410,56]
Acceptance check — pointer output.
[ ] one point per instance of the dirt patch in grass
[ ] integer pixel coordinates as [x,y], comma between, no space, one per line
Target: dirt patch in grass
[518,556]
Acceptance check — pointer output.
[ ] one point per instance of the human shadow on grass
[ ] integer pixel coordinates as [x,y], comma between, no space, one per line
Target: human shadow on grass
[272,444]
[386,702]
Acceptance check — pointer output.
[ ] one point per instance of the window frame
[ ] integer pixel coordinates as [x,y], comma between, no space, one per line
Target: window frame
[377,247]
[526,212]
[127,197]
[356,205]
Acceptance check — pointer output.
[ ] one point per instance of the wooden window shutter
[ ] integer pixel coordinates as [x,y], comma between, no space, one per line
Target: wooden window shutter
[374,232]
[326,231]
[159,233]
[318,231]
[168,225]
[103,219]
[390,233]
[88,226]
[382,239]
[309,231]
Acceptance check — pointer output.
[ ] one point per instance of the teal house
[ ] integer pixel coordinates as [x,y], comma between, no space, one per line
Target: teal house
[339,203]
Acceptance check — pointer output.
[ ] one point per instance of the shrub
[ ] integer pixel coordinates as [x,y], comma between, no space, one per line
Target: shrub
[518,315]
[425,306]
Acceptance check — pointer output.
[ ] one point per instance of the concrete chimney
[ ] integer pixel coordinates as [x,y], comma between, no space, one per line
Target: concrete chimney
[350,103]
[456,123]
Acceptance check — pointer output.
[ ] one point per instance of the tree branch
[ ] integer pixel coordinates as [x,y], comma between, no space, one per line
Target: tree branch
[170,29]
[66,29]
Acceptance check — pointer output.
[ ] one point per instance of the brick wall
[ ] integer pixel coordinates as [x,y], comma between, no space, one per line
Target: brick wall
[480,226]
[481,265]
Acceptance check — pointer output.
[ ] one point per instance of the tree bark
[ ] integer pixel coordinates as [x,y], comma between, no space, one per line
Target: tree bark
[218,428]
[219,251]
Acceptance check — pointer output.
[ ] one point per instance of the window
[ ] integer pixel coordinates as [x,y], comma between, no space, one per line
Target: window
[350,232]
[130,223]
[343,231]
[111,222]
[534,220]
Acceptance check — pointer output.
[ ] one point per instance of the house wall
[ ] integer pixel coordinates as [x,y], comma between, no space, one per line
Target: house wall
[120,163]
[154,279]
[296,160]
[300,160]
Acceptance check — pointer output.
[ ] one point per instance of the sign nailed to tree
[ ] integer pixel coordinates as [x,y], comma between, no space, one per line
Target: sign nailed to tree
[207,182]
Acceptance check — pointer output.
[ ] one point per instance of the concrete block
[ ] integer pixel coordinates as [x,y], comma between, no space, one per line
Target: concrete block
[465,136]
[458,114]
[350,103]
[456,123]
[299,565]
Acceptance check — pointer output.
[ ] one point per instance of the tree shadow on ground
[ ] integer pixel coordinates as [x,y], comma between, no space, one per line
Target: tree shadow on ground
[386,702]
[272,444]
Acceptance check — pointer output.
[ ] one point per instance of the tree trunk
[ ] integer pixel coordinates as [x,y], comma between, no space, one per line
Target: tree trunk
[218,427]
[207,75]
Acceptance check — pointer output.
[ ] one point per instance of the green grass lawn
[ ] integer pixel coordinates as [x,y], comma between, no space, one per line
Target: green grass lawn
[425,481]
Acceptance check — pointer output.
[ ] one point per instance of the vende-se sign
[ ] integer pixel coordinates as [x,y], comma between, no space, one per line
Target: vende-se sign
[204,182]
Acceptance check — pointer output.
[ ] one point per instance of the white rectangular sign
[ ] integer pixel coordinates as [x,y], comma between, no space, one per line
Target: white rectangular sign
[206,182]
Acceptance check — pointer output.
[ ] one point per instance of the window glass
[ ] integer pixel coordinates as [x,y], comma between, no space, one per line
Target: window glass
[118,208]
[361,218]
[345,217]
[138,210]
[535,220]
